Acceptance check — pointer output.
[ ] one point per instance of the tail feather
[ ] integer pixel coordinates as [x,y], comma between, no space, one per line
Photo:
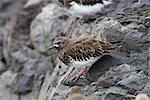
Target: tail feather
[107,2]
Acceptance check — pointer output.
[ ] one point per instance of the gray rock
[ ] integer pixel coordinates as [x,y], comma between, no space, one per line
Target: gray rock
[35,67]
[96,96]
[140,3]
[140,60]
[2,67]
[135,81]
[102,66]
[23,82]
[146,89]
[115,75]
[8,77]
[117,96]
[44,66]
[109,29]
[47,25]
[135,40]
[5,92]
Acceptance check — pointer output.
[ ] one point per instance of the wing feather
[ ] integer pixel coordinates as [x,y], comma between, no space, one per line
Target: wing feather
[85,49]
[84,2]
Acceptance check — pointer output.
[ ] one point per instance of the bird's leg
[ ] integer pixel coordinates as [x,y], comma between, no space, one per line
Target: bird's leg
[79,20]
[82,72]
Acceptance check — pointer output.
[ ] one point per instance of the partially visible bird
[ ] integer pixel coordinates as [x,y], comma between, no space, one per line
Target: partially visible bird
[81,53]
[142,97]
[85,8]
[75,93]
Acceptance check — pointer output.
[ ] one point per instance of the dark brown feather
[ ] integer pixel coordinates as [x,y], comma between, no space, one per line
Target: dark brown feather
[83,2]
[81,48]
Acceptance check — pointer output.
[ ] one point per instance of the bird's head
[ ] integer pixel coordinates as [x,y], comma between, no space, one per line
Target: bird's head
[60,42]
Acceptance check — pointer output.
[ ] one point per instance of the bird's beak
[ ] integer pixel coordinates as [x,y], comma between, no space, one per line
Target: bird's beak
[52,46]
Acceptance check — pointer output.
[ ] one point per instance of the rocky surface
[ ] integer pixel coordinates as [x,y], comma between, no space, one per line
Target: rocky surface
[29,71]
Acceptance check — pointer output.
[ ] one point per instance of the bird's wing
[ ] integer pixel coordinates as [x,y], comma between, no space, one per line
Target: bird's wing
[89,2]
[84,2]
[83,50]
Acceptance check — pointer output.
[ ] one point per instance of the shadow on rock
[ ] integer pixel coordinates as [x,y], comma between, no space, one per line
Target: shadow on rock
[101,66]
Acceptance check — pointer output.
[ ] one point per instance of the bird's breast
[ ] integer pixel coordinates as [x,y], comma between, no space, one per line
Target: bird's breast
[83,63]
[83,10]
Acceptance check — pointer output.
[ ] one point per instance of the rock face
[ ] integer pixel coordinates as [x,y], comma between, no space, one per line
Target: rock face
[24,59]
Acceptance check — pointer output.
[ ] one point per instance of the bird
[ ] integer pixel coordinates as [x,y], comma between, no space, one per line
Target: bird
[142,97]
[75,93]
[85,8]
[80,53]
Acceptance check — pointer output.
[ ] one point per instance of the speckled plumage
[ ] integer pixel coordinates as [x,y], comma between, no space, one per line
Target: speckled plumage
[81,52]
[83,2]
[84,8]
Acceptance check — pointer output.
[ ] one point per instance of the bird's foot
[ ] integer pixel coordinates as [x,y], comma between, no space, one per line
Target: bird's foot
[80,19]
[82,73]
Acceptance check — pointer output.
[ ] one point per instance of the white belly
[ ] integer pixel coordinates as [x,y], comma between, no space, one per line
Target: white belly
[84,63]
[82,10]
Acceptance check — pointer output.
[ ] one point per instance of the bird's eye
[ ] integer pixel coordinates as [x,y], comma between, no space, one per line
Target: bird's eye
[58,43]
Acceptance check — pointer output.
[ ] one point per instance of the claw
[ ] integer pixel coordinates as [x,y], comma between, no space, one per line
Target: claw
[82,72]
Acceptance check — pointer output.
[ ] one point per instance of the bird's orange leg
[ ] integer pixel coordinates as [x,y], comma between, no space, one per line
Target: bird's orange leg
[81,19]
[82,72]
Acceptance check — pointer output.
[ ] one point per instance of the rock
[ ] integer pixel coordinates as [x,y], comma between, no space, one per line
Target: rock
[23,82]
[35,67]
[118,96]
[146,89]
[47,25]
[109,29]
[135,81]
[140,3]
[6,11]
[44,66]
[2,67]
[111,77]
[139,60]
[8,77]
[96,96]
[5,92]
[32,2]
[21,28]
[135,40]
[101,66]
